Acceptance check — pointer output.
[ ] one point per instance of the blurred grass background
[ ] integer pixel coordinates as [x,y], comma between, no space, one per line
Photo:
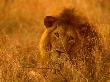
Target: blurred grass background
[21,25]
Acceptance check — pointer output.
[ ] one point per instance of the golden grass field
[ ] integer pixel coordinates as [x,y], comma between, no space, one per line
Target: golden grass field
[21,26]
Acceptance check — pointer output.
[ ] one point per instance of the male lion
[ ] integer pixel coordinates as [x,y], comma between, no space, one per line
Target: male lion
[72,49]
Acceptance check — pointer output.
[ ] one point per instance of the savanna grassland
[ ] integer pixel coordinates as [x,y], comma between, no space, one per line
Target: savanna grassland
[21,26]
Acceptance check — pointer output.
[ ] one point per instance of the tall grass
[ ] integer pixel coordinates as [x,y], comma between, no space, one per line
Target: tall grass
[21,25]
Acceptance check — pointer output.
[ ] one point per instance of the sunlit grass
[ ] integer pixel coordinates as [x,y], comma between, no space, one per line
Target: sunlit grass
[21,25]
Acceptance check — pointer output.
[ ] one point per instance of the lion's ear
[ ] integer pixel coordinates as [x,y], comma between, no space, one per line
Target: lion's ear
[49,21]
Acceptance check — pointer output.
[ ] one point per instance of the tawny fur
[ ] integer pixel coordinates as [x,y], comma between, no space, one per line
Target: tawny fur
[83,46]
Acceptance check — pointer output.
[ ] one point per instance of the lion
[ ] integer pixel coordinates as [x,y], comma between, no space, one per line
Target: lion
[72,49]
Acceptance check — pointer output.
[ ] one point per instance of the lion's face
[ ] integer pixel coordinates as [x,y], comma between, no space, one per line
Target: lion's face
[62,38]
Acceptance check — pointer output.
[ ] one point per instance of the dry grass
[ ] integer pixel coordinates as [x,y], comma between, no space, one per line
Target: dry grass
[21,25]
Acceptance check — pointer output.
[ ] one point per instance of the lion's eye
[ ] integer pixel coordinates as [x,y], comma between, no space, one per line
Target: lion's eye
[57,34]
[71,38]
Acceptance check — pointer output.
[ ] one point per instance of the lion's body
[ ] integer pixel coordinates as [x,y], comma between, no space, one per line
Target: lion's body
[73,50]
